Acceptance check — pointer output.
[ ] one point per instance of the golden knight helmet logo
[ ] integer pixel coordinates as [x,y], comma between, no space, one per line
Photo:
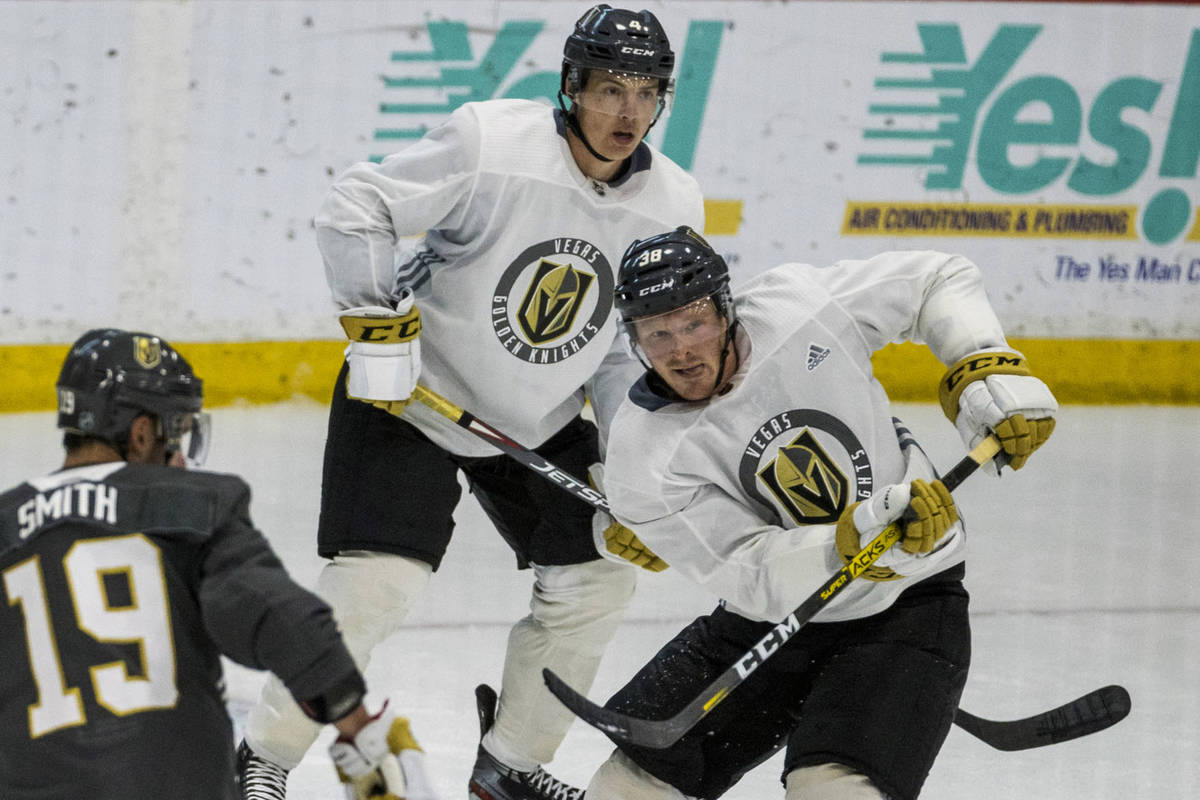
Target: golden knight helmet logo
[147,351]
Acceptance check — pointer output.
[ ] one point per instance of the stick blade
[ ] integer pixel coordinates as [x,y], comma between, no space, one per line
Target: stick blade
[620,728]
[1088,714]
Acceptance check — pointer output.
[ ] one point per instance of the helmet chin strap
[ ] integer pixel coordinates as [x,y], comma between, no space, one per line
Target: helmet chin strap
[575,128]
[573,120]
[730,334]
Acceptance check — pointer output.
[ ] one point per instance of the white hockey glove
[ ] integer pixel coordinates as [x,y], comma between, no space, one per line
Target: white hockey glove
[385,782]
[399,773]
[615,538]
[993,391]
[934,513]
[364,753]
[384,353]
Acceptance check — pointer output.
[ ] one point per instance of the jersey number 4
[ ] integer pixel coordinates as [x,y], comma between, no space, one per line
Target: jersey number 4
[142,618]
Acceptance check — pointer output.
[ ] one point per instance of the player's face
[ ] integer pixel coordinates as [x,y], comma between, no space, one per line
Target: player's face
[684,347]
[615,110]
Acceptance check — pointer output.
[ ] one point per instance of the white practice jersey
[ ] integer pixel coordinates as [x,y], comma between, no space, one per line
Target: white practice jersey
[742,493]
[515,269]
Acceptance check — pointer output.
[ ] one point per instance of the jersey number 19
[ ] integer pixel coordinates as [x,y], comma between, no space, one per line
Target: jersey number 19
[144,621]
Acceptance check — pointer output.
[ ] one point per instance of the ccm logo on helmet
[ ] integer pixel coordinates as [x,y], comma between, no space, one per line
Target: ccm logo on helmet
[658,287]
[636,51]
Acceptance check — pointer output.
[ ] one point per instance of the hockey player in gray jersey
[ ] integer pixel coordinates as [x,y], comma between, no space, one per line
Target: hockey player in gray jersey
[757,455]
[503,305]
[126,577]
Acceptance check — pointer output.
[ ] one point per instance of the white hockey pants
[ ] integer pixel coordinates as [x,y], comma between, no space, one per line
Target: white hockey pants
[371,594]
[574,612]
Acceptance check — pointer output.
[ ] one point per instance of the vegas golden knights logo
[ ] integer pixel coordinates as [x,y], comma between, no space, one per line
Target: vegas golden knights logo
[554,298]
[806,481]
[147,351]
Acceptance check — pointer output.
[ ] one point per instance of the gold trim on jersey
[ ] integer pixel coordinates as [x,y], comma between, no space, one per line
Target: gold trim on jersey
[145,622]
[58,706]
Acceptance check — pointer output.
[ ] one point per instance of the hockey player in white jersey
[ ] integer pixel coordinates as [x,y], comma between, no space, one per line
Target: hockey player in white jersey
[756,455]
[503,306]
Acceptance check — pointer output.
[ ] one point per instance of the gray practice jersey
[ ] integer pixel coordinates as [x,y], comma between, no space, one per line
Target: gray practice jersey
[742,493]
[122,586]
[513,268]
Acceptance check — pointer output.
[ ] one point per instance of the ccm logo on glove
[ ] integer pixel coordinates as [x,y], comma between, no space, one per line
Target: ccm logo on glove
[994,390]
[384,354]
[382,331]
[964,371]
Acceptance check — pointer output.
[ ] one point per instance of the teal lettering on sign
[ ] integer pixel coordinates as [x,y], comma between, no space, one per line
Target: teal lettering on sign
[464,84]
[960,92]
[1054,135]
[450,48]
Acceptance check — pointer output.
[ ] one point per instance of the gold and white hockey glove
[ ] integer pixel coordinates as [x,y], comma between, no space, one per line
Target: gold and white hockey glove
[400,773]
[385,782]
[861,522]
[365,764]
[615,538]
[993,391]
[622,542]
[384,353]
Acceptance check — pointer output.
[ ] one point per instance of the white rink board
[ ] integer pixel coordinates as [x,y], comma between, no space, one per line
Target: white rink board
[162,161]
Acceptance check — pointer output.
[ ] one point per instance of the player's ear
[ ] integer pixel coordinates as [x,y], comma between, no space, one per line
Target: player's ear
[143,438]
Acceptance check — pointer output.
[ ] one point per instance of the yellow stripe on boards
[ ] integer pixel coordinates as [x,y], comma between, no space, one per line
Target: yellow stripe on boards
[722,217]
[1085,371]
[233,372]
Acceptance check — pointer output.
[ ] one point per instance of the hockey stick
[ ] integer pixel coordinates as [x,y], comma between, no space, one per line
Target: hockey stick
[517,452]
[1093,712]
[1088,714]
[663,733]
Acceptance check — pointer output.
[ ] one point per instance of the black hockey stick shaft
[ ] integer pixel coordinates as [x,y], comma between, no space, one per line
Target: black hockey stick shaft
[516,451]
[663,733]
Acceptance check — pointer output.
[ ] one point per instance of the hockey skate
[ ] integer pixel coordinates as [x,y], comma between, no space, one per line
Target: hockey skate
[491,780]
[257,778]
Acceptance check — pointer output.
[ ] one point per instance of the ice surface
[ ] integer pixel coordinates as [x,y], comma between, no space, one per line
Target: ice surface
[1082,573]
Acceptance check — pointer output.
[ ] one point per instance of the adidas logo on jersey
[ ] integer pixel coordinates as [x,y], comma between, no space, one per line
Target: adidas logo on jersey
[816,354]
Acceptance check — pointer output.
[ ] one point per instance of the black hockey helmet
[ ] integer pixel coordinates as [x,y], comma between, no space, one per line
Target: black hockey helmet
[677,274]
[111,376]
[631,44]
[619,40]
[668,271]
